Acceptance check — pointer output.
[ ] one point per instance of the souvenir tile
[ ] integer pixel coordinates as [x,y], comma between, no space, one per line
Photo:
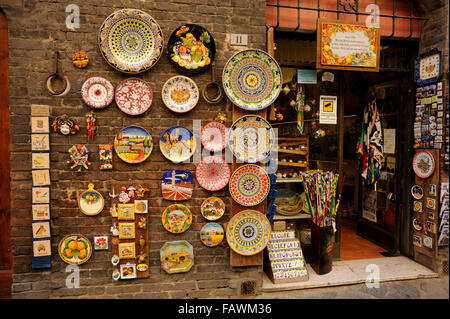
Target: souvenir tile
[431,203]
[428,242]
[41,177]
[126,231]
[127,250]
[125,211]
[128,271]
[417,206]
[417,241]
[40,110]
[41,248]
[100,242]
[40,160]
[105,153]
[431,227]
[40,195]
[41,229]
[177,185]
[432,190]
[141,206]
[39,125]
[40,142]
[41,211]
[431,215]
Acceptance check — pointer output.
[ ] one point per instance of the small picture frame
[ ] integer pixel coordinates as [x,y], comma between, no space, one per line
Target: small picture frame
[40,142]
[41,248]
[100,242]
[125,211]
[39,124]
[40,195]
[126,231]
[417,241]
[127,250]
[41,177]
[40,161]
[41,211]
[141,206]
[41,229]
[128,271]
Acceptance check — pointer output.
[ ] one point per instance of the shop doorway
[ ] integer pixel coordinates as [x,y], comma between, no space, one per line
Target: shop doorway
[5,239]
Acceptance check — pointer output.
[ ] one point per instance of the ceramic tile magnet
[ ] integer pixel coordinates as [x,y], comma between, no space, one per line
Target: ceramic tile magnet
[100,242]
[105,153]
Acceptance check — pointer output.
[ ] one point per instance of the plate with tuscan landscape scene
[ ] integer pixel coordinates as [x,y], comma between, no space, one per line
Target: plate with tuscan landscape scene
[212,208]
[133,144]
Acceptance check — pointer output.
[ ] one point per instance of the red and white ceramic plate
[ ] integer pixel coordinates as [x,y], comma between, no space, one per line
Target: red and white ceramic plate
[212,173]
[134,96]
[214,136]
[249,185]
[97,92]
[423,164]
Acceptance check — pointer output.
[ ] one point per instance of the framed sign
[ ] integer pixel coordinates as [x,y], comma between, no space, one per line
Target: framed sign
[328,109]
[351,46]
[428,67]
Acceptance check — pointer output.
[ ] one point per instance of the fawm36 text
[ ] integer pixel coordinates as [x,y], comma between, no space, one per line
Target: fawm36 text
[246,308]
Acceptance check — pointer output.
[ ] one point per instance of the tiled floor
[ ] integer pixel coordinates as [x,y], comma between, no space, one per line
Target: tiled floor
[355,247]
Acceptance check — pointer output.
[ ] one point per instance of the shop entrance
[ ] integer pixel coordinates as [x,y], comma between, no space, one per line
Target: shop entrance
[5,241]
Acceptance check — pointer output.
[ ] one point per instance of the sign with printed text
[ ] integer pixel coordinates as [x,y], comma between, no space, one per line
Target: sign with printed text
[328,109]
[351,46]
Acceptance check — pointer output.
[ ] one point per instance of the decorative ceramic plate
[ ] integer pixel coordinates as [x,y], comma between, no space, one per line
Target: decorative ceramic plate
[97,92]
[417,192]
[75,249]
[423,164]
[176,256]
[251,138]
[180,94]
[212,234]
[212,173]
[248,232]
[176,218]
[417,223]
[133,144]
[177,144]
[213,208]
[177,184]
[91,202]
[214,136]
[249,185]
[252,79]
[131,41]
[191,48]
[133,96]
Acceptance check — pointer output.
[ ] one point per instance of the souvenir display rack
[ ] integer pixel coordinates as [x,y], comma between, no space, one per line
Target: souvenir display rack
[294,155]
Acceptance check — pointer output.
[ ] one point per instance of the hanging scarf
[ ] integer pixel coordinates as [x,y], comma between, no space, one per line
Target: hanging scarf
[370,145]
[299,107]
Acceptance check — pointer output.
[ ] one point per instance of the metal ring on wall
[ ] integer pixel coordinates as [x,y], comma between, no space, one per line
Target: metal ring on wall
[215,99]
[64,91]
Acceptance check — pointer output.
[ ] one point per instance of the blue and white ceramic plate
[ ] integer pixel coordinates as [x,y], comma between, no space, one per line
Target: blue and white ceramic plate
[180,94]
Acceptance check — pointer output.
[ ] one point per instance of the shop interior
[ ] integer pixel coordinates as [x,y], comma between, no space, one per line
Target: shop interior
[368,221]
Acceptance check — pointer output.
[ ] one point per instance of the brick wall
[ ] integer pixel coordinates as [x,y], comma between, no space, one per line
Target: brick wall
[36,30]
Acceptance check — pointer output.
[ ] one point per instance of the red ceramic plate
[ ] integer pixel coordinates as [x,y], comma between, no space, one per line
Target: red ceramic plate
[249,185]
[97,92]
[423,164]
[214,136]
[212,173]
[134,96]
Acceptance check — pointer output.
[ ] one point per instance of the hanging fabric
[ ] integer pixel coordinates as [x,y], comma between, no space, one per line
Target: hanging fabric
[370,145]
[299,107]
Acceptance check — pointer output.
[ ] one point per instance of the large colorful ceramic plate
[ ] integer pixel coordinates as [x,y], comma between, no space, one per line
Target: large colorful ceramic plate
[131,41]
[191,48]
[248,232]
[252,79]
[249,185]
[251,138]
[214,136]
[91,202]
[176,256]
[177,184]
[134,96]
[75,249]
[423,164]
[97,92]
[177,144]
[176,218]
[212,234]
[180,94]
[213,208]
[133,144]
[212,173]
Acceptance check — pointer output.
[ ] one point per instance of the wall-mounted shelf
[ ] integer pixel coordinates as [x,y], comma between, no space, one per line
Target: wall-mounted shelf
[298,216]
[289,180]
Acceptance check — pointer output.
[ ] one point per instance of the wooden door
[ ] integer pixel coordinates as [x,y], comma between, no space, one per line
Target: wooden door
[5,230]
